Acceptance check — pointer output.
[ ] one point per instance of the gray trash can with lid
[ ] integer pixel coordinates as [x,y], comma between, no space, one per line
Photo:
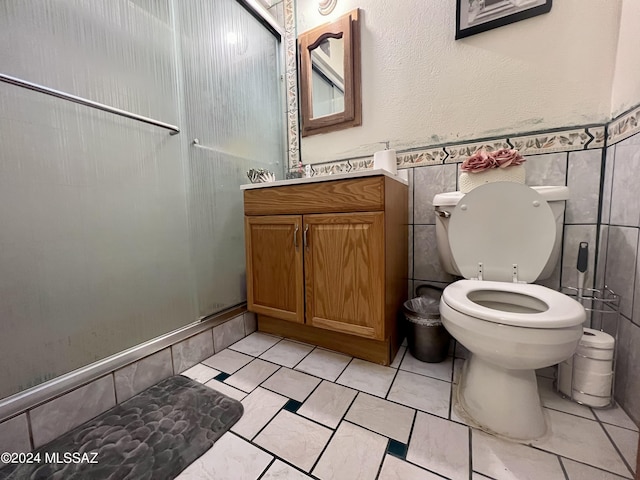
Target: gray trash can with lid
[427,338]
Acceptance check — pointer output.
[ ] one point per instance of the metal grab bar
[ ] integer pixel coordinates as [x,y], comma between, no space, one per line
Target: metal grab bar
[87,103]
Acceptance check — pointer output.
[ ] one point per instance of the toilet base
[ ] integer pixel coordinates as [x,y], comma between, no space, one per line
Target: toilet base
[502,401]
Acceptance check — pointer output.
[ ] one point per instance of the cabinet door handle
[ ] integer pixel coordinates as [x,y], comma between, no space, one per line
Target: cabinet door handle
[304,236]
[295,237]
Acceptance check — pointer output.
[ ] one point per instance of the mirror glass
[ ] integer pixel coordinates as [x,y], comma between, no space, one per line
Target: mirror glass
[330,96]
[327,78]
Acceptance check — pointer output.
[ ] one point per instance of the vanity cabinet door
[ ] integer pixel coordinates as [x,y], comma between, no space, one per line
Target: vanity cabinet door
[344,273]
[274,266]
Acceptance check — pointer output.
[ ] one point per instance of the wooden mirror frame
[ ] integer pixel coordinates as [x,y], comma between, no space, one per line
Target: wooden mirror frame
[346,27]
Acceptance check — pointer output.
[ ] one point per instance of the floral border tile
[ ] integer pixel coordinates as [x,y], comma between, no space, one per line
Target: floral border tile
[624,126]
[291,79]
[341,166]
[599,136]
[459,153]
[563,141]
[434,156]
[362,164]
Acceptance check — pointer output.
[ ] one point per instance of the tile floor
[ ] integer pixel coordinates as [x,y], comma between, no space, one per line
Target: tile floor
[313,413]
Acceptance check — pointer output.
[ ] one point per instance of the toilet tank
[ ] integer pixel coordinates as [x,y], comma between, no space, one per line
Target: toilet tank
[444,204]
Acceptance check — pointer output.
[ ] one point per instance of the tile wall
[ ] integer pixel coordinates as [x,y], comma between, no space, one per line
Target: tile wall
[619,237]
[600,164]
[41,424]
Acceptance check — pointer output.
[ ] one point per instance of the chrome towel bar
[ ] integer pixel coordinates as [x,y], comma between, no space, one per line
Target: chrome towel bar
[87,103]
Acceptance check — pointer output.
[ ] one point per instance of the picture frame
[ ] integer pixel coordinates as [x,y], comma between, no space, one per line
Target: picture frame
[476,16]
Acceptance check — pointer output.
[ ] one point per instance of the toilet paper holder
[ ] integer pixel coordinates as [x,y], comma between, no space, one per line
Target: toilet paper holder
[588,377]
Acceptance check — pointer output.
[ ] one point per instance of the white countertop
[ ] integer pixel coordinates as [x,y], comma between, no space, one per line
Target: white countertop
[327,178]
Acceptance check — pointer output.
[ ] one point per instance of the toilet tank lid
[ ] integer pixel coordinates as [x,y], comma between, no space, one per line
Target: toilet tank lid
[551,193]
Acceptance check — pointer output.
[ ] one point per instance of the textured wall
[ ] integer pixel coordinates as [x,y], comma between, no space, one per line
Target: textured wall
[626,87]
[421,87]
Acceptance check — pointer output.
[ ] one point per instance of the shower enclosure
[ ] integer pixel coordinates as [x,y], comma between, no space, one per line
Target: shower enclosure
[116,229]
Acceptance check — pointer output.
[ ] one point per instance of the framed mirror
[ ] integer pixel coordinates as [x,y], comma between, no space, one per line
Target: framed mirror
[330,97]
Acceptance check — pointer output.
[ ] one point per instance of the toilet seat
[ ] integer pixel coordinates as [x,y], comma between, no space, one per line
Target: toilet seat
[501,231]
[559,309]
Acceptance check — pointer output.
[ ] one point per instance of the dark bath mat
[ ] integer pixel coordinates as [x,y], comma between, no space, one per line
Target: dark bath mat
[154,435]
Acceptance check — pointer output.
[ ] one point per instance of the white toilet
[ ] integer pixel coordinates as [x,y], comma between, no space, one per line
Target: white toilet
[501,237]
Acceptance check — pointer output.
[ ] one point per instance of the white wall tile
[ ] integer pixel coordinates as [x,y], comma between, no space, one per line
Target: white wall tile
[14,435]
[250,322]
[228,333]
[548,169]
[573,235]
[429,181]
[583,179]
[621,264]
[191,351]
[426,265]
[142,374]
[64,413]
[625,207]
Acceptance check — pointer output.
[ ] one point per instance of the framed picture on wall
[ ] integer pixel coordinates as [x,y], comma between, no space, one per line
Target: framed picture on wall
[475,16]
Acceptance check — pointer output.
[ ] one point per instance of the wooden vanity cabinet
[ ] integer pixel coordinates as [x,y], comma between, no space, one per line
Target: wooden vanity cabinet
[327,262]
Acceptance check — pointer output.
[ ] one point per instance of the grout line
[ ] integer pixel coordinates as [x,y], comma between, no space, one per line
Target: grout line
[264,472]
[564,470]
[615,446]
[343,418]
[469,432]
[29,429]
[384,456]
[600,469]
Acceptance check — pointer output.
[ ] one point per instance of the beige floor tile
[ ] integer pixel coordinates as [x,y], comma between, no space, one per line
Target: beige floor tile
[399,356]
[252,375]
[324,364]
[367,377]
[353,453]
[381,416]
[441,446]
[580,471]
[260,406]
[395,469]
[441,371]
[292,384]
[505,460]
[226,389]
[287,353]
[626,441]
[615,416]
[295,439]
[328,403]
[227,361]
[200,373]
[582,440]
[281,471]
[255,344]
[230,458]
[420,392]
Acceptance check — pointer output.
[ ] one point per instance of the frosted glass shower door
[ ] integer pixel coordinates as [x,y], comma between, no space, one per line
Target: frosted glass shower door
[233,107]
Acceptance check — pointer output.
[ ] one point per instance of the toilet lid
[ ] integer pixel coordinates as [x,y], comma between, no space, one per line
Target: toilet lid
[500,225]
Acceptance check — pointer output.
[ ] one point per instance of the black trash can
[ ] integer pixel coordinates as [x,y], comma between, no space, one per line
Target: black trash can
[427,338]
